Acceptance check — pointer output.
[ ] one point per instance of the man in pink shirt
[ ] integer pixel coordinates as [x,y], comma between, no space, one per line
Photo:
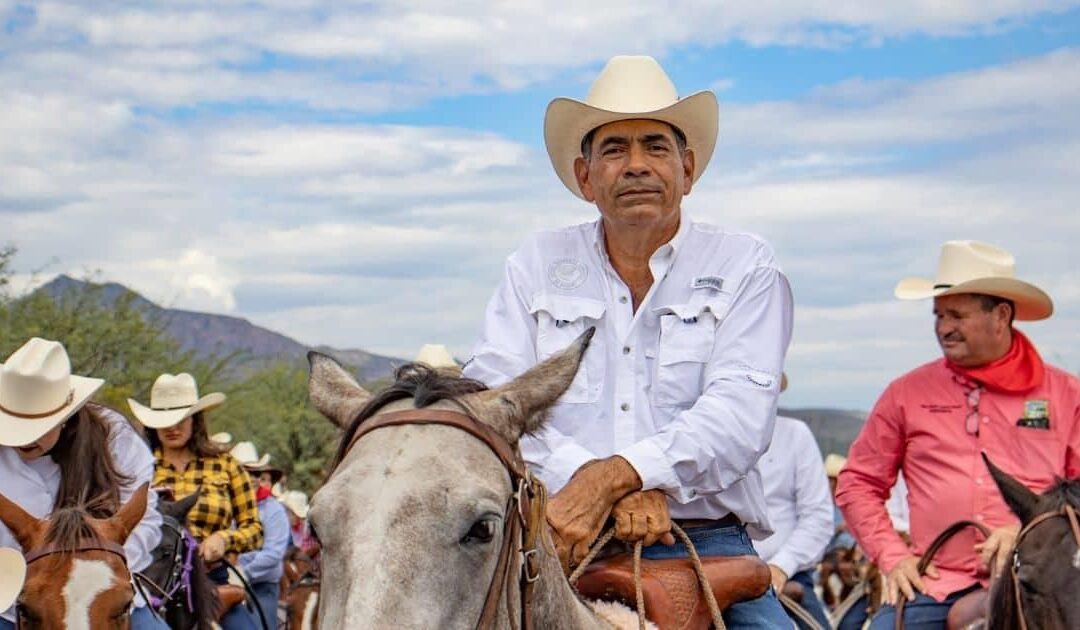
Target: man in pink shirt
[992,393]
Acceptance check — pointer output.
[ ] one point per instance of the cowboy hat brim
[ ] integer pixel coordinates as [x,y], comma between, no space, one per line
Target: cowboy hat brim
[165,418]
[1032,303]
[12,576]
[275,473]
[16,431]
[568,120]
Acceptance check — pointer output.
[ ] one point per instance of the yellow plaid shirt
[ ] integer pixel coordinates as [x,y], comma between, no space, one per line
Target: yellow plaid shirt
[227,498]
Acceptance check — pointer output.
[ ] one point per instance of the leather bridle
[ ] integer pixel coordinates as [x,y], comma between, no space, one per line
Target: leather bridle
[924,561]
[182,568]
[83,546]
[524,515]
[1067,512]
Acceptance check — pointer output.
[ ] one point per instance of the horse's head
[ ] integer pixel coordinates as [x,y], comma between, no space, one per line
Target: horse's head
[411,520]
[176,578]
[1042,580]
[76,574]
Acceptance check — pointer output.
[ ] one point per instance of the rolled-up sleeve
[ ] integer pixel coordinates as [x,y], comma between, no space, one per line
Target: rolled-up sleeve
[506,349]
[866,481]
[717,441]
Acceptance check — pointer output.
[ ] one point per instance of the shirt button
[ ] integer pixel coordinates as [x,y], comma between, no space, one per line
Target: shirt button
[626,350]
[622,299]
[978,517]
[625,406]
[978,482]
[986,419]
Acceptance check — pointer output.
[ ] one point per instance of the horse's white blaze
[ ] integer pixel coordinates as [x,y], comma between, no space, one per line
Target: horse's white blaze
[310,606]
[87,580]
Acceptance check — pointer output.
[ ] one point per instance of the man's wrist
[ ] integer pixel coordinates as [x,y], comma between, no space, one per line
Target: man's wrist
[624,479]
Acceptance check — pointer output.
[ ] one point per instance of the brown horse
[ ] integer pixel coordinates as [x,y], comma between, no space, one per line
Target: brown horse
[76,574]
[300,587]
[1040,587]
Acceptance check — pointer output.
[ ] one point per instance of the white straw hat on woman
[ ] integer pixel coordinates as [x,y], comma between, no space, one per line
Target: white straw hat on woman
[38,391]
[173,398]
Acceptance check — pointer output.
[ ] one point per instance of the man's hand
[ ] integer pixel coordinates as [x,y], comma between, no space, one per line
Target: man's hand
[212,548]
[643,516]
[1000,542]
[578,512]
[779,578]
[904,580]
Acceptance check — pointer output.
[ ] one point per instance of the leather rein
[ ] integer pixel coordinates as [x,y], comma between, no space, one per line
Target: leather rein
[928,557]
[524,515]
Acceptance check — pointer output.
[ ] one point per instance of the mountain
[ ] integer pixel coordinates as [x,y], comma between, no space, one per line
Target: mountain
[209,334]
[835,429]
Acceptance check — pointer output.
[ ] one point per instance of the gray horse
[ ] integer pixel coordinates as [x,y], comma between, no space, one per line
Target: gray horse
[411,519]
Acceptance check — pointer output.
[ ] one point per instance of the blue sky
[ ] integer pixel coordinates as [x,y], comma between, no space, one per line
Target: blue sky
[355,173]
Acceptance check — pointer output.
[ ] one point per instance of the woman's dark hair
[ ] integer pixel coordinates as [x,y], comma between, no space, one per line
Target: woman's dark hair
[88,476]
[199,444]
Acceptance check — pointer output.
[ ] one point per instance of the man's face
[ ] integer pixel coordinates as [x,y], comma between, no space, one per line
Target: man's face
[635,173]
[968,335]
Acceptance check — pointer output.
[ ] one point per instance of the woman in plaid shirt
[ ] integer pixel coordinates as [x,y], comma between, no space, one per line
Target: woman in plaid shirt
[226,518]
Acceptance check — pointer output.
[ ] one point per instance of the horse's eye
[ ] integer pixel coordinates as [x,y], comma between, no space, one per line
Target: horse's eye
[481,532]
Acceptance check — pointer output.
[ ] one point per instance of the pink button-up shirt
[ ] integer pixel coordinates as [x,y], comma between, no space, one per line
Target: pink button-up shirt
[920,426]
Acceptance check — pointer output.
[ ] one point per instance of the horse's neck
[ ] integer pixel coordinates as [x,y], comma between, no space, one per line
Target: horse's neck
[555,603]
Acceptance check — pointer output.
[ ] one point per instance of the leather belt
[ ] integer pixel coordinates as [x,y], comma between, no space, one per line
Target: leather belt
[728,521]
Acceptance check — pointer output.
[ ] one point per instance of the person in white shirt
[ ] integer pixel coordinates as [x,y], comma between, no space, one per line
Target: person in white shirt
[675,399]
[59,450]
[800,509]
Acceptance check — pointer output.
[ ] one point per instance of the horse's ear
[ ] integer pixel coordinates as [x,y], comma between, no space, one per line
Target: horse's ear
[334,392]
[520,406]
[180,509]
[23,526]
[1020,499]
[131,513]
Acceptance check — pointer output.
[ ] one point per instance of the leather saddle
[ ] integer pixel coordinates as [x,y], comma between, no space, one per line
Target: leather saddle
[229,595]
[970,611]
[673,598]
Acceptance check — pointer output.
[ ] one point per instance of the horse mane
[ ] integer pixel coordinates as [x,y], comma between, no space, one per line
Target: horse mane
[425,385]
[203,595]
[1003,610]
[69,527]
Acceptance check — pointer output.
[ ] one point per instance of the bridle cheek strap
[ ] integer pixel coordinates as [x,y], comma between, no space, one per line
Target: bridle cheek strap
[524,510]
[1067,512]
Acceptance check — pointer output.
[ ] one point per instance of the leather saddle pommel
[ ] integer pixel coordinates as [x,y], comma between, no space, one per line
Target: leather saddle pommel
[673,598]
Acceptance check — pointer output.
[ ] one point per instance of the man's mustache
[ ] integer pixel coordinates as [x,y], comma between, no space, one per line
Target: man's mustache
[953,337]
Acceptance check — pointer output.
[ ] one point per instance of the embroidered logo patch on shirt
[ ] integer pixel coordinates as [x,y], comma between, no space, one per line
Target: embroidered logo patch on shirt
[715,283]
[567,274]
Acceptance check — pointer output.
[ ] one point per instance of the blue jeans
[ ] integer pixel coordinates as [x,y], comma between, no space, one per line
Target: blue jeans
[925,613]
[266,593]
[141,619]
[810,601]
[856,616]
[762,613]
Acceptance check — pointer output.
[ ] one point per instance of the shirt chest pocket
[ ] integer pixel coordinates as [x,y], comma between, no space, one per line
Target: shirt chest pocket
[215,503]
[687,332]
[559,321]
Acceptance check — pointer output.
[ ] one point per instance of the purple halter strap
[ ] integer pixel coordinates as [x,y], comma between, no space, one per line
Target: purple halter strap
[185,575]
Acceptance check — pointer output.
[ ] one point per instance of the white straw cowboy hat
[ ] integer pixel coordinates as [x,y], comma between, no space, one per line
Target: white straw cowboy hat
[173,398]
[297,502]
[436,356]
[834,464]
[12,576]
[38,391]
[248,456]
[629,88]
[975,267]
[222,438]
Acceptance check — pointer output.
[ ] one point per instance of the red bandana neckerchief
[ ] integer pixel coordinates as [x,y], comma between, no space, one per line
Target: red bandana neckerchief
[1020,370]
[262,493]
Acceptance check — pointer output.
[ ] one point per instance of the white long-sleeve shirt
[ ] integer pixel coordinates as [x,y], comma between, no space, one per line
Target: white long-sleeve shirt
[798,498]
[684,389]
[34,485]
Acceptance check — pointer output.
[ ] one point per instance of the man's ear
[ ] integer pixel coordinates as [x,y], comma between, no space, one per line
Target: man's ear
[688,162]
[581,173]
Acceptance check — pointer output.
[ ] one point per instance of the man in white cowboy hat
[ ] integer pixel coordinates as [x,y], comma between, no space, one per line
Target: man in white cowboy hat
[800,509]
[674,402]
[990,393]
[263,567]
[296,504]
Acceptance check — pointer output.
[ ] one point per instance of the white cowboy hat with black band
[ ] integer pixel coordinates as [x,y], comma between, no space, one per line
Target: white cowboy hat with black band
[629,88]
[39,392]
[248,456]
[173,398]
[976,267]
[12,576]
